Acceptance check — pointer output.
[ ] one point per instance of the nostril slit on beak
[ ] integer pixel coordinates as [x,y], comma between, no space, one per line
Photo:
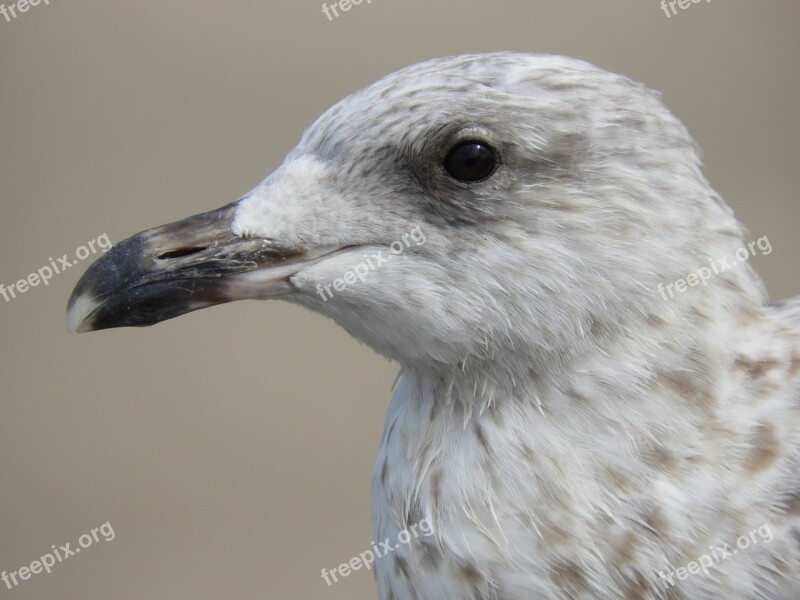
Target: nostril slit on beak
[180,252]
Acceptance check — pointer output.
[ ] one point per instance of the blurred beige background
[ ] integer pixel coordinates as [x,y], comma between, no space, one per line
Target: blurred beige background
[231,449]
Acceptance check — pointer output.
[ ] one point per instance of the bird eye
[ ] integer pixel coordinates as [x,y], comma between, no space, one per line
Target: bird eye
[471,161]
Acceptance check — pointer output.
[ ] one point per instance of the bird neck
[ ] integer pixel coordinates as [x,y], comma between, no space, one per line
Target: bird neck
[682,347]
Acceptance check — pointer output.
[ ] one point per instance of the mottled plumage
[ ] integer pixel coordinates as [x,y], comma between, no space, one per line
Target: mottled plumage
[569,432]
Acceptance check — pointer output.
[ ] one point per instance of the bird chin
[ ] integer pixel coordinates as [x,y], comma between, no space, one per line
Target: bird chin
[330,275]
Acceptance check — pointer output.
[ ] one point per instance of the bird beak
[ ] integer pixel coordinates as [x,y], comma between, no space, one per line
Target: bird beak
[174,269]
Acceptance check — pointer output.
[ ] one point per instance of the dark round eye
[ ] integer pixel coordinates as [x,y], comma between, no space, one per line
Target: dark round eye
[471,161]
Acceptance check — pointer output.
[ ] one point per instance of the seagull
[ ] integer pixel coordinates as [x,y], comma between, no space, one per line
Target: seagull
[500,225]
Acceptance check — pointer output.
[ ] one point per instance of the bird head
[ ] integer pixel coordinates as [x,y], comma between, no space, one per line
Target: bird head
[456,211]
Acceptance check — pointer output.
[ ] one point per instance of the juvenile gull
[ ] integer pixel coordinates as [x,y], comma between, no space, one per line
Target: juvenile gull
[569,432]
